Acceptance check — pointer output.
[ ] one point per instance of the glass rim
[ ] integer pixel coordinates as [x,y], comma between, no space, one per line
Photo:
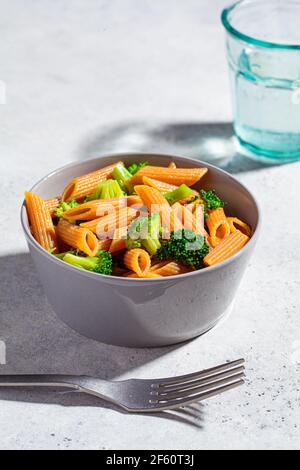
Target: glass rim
[249,39]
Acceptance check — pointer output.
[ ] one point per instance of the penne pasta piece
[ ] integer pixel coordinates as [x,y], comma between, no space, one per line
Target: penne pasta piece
[160,264]
[159,185]
[138,261]
[40,221]
[170,269]
[104,244]
[151,197]
[105,226]
[226,248]
[77,237]
[218,226]
[100,207]
[85,185]
[188,219]
[155,202]
[175,176]
[52,204]
[172,165]
[148,275]
[237,224]
[165,187]
[93,209]
[119,240]
[133,201]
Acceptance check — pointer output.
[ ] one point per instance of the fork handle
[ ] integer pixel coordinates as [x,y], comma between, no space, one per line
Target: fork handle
[40,381]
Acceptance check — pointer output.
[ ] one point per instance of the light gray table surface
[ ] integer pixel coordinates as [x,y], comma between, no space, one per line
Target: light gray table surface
[84,78]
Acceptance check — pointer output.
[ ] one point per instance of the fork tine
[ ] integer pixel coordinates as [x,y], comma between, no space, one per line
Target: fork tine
[173,404]
[202,381]
[197,375]
[202,388]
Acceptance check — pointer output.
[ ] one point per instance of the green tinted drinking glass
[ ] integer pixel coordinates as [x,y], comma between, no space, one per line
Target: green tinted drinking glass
[263,47]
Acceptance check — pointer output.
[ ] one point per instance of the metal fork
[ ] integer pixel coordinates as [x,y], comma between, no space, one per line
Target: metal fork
[136,395]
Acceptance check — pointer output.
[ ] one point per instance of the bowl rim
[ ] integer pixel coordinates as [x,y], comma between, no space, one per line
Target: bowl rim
[127,280]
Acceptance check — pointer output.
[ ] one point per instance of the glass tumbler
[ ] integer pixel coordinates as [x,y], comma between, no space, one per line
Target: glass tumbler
[263,49]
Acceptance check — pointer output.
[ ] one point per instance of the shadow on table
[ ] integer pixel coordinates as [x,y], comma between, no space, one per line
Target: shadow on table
[211,142]
[192,415]
[37,342]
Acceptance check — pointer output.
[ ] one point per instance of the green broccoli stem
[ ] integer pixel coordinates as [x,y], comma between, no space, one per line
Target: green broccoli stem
[100,264]
[178,194]
[106,190]
[147,229]
[89,263]
[152,243]
[122,175]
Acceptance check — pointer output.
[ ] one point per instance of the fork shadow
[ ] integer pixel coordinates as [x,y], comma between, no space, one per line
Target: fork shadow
[192,415]
[211,142]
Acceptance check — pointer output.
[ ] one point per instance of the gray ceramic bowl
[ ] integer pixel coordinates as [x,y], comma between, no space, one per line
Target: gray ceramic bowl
[144,312]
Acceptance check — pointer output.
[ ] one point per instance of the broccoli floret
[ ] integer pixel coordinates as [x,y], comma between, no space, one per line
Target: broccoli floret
[106,190]
[178,194]
[210,200]
[145,232]
[100,264]
[64,206]
[135,167]
[185,247]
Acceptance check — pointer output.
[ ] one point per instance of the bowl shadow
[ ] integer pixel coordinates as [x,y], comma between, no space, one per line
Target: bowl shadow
[37,342]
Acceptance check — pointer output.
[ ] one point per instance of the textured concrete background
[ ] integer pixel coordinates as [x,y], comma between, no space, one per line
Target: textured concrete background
[87,77]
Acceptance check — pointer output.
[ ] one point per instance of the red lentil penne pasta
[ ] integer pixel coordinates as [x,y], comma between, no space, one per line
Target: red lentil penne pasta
[105,226]
[159,185]
[226,248]
[77,237]
[170,269]
[119,240]
[138,261]
[190,220]
[52,204]
[175,176]
[218,226]
[148,275]
[40,220]
[100,207]
[237,224]
[84,185]
[155,202]
[94,209]
[104,244]
[165,187]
